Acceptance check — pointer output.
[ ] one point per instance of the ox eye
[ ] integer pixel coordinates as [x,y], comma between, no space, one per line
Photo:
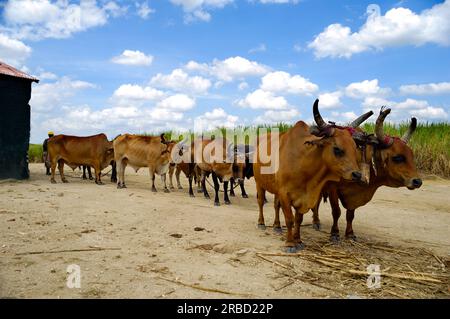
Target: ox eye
[338,151]
[398,159]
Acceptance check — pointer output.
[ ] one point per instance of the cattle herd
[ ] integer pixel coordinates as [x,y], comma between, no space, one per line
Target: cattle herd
[300,167]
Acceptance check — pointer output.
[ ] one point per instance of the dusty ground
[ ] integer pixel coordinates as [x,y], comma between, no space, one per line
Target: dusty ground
[153,236]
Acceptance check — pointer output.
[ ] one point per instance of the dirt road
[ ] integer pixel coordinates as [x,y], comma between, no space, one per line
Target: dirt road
[173,246]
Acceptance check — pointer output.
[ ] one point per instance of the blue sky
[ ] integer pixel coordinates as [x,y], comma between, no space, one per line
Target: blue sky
[146,66]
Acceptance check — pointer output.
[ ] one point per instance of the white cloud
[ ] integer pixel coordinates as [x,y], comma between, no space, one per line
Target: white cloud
[47,76]
[178,102]
[283,82]
[216,118]
[398,27]
[426,89]
[132,93]
[343,117]
[13,51]
[229,69]
[48,96]
[259,48]
[359,90]
[144,10]
[330,100]
[261,99]
[412,107]
[198,9]
[179,80]
[135,58]
[243,86]
[272,117]
[40,19]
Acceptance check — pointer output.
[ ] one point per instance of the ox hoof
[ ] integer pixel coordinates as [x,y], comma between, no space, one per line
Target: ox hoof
[291,250]
[216,204]
[154,190]
[180,187]
[53,181]
[278,230]
[262,226]
[199,190]
[335,238]
[65,181]
[91,178]
[244,196]
[192,195]
[227,202]
[232,195]
[166,190]
[113,180]
[317,226]
[84,177]
[99,183]
[119,186]
[300,246]
[351,237]
[207,196]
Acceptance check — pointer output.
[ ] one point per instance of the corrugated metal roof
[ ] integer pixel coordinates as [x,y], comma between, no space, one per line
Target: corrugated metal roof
[9,70]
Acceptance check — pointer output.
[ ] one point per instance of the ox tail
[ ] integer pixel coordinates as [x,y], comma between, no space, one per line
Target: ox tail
[325,197]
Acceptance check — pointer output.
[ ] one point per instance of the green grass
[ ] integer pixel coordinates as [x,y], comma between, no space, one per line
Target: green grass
[35,153]
[430,143]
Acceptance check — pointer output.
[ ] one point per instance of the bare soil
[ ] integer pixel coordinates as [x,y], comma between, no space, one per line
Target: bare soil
[160,245]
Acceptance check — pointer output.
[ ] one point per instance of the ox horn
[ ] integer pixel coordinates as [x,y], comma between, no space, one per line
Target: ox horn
[361,119]
[379,131]
[412,127]
[317,117]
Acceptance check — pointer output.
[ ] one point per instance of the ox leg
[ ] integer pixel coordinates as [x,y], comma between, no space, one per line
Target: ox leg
[84,172]
[225,193]
[260,196]
[113,172]
[53,169]
[89,173]
[336,212]
[291,245]
[316,221]
[297,238]
[191,191]
[232,187]
[98,175]
[177,176]
[171,171]
[349,230]
[205,191]
[216,189]
[121,173]
[152,177]
[61,171]
[276,223]
[163,178]
[243,192]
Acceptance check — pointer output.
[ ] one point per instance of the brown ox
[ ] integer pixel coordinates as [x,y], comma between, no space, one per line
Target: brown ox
[95,151]
[393,166]
[214,157]
[305,164]
[142,151]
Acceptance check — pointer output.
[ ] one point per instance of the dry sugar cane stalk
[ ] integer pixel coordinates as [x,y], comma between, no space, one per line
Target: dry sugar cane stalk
[399,276]
[274,262]
[176,281]
[65,251]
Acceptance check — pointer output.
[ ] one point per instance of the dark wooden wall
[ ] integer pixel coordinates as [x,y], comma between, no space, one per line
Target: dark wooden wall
[15,94]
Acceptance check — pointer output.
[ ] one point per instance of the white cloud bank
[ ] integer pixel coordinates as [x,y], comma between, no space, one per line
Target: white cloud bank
[398,27]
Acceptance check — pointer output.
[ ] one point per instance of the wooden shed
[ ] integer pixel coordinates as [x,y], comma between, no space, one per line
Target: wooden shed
[15,93]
